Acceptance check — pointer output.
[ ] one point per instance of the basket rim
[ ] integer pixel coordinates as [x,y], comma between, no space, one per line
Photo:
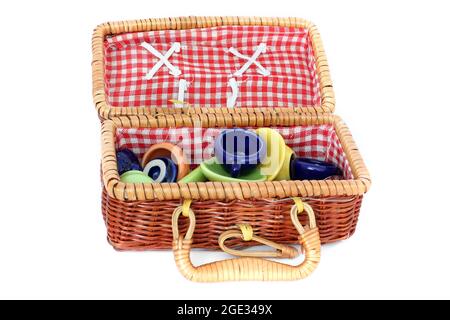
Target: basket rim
[230,190]
[106,111]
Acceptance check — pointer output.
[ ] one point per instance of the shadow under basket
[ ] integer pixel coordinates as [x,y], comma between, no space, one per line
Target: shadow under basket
[139,216]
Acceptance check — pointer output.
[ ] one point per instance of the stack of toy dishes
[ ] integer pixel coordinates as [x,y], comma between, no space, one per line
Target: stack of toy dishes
[240,155]
[163,162]
[245,155]
[259,155]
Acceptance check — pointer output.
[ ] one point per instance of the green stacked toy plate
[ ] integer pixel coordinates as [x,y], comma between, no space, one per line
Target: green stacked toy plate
[135,176]
[195,175]
[214,171]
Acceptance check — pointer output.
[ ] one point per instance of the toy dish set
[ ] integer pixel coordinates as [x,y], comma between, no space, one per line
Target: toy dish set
[219,133]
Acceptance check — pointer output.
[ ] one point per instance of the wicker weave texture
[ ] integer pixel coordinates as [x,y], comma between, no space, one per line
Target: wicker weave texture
[141,225]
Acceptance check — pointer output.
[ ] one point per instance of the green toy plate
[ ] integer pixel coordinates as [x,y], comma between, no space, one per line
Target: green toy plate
[216,172]
[135,176]
[195,175]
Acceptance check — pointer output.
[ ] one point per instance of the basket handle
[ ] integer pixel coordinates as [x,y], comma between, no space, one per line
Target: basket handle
[247,268]
[246,234]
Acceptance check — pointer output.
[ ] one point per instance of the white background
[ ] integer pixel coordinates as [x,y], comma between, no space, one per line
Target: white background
[390,63]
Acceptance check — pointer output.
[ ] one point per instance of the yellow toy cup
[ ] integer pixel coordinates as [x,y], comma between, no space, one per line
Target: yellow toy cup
[285,172]
[276,151]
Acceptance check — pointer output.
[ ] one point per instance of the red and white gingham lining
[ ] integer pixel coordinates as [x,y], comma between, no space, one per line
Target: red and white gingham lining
[207,65]
[317,142]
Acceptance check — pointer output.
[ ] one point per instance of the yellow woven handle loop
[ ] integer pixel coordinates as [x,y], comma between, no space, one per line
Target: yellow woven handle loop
[299,204]
[186,207]
[247,231]
[246,234]
[247,268]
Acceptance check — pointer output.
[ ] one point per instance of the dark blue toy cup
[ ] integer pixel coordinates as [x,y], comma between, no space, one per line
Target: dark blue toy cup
[127,161]
[311,169]
[239,150]
[171,170]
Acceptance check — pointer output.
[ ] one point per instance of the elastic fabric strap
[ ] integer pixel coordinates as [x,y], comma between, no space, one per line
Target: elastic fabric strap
[251,60]
[232,83]
[163,59]
[231,100]
[182,87]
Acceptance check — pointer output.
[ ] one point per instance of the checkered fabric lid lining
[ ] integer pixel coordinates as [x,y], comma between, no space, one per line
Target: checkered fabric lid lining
[206,65]
[316,142]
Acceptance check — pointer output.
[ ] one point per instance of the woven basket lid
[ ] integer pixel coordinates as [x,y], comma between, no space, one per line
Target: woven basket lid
[118,51]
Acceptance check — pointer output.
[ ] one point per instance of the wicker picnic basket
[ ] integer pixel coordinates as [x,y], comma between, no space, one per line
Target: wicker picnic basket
[222,214]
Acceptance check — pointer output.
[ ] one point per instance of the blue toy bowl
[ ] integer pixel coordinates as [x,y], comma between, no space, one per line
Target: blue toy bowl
[127,161]
[311,169]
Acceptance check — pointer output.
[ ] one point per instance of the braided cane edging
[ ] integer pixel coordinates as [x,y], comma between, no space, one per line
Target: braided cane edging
[226,190]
